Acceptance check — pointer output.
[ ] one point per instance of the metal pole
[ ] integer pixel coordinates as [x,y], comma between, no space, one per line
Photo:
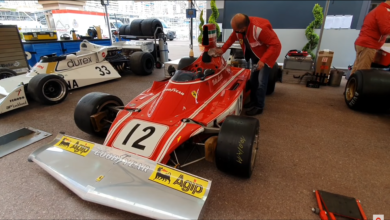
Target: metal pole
[322,31]
[108,22]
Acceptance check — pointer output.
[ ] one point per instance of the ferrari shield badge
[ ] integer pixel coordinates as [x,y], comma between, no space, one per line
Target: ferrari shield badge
[75,146]
[241,41]
[177,180]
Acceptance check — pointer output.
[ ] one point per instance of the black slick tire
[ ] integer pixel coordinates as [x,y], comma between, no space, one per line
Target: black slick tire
[237,145]
[47,89]
[185,62]
[149,26]
[122,30]
[6,73]
[142,63]
[135,27]
[91,104]
[368,90]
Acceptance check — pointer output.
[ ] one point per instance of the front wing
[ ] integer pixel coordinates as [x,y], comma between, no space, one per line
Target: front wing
[13,99]
[114,178]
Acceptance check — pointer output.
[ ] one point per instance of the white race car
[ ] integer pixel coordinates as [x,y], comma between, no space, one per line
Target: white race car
[49,81]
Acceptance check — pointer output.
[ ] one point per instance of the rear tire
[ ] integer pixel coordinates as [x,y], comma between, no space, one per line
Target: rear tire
[48,89]
[237,145]
[142,63]
[6,73]
[91,104]
[368,90]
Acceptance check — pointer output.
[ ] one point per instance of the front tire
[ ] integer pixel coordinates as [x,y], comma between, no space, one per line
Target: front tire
[90,105]
[237,145]
[48,89]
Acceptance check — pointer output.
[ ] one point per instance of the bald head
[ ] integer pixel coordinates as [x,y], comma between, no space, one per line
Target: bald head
[240,22]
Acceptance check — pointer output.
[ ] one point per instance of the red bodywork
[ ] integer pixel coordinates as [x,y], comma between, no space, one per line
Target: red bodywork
[168,102]
[382,58]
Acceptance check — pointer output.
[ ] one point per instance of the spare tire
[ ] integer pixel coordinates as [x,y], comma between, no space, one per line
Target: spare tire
[142,63]
[122,30]
[368,90]
[127,30]
[135,27]
[6,73]
[149,26]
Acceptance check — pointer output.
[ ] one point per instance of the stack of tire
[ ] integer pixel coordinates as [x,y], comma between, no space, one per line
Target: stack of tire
[141,28]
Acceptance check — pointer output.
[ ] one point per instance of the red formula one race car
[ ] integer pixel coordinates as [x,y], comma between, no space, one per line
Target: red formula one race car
[137,169]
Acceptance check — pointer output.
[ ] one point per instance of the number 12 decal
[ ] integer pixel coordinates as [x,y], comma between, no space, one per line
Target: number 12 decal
[136,143]
[140,137]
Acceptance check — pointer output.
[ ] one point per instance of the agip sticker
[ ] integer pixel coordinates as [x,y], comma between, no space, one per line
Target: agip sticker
[75,146]
[182,182]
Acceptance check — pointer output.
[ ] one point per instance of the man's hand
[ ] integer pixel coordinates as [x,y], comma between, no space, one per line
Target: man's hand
[218,52]
[260,65]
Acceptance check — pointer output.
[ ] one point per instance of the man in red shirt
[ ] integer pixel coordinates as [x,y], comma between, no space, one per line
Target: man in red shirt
[375,29]
[259,43]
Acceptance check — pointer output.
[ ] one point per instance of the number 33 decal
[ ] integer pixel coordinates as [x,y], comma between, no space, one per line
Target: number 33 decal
[140,137]
[105,69]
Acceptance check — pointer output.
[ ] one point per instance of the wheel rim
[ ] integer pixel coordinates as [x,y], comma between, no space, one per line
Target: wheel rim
[104,107]
[54,90]
[254,151]
[350,89]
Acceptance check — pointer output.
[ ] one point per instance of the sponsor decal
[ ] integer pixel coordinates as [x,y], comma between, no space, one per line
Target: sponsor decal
[76,146]
[15,64]
[103,54]
[39,66]
[99,178]
[123,160]
[217,80]
[241,41]
[195,95]
[177,180]
[378,217]
[78,62]
[17,99]
[240,149]
[73,84]
[174,90]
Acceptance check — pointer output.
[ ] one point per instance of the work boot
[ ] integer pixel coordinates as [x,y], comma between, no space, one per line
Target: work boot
[254,111]
[249,105]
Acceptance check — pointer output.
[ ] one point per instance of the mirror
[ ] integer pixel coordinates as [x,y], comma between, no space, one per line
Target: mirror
[208,72]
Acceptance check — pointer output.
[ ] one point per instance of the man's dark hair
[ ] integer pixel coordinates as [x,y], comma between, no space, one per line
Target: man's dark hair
[245,23]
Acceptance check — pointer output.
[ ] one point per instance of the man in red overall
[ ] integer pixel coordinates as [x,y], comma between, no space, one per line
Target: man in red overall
[375,29]
[259,43]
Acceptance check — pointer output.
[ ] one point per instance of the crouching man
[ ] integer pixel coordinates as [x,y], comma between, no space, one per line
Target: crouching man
[259,43]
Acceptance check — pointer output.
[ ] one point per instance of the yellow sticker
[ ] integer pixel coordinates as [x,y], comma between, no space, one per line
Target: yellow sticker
[99,178]
[194,94]
[179,181]
[75,146]
[178,139]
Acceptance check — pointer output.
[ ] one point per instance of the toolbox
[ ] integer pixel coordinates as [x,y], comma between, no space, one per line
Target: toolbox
[40,35]
[298,63]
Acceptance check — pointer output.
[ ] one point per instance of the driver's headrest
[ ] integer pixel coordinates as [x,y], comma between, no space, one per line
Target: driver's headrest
[209,39]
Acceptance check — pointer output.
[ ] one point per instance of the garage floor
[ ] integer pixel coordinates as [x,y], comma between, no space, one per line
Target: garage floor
[309,139]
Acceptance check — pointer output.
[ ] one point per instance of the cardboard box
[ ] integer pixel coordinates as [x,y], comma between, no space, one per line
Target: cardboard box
[324,62]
